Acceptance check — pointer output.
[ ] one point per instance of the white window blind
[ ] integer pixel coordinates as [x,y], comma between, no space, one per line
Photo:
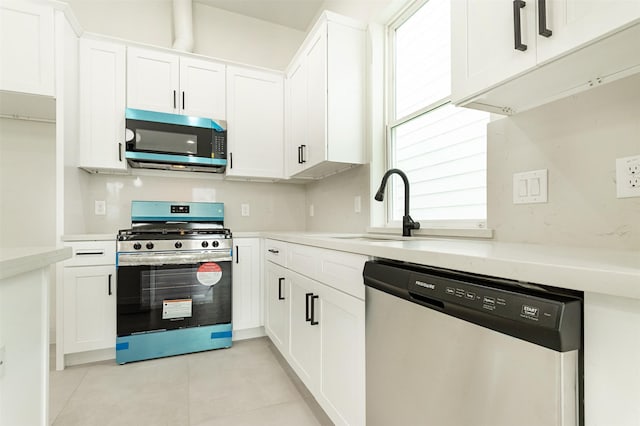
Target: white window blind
[441,148]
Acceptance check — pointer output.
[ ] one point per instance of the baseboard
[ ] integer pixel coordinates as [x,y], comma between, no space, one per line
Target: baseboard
[90,356]
[248,333]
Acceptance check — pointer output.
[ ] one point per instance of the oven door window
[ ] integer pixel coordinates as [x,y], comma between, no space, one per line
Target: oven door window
[167,297]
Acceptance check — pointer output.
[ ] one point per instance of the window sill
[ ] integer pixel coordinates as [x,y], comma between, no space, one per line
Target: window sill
[437,232]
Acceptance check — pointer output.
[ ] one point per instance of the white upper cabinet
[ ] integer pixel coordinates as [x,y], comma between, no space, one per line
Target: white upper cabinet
[27,46]
[326,96]
[573,23]
[166,82]
[202,88]
[511,56]
[255,118]
[102,105]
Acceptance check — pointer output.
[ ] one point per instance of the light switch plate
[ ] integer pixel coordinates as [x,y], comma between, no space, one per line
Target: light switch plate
[530,187]
[628,177]
[100,207]
[245,210]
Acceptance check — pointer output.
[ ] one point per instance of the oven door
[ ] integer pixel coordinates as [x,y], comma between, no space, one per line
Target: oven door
[172,290]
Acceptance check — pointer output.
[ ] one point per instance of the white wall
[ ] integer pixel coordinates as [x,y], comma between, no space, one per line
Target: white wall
[27,183]
[577,139]
[333,202]
[217,33]
[273,207]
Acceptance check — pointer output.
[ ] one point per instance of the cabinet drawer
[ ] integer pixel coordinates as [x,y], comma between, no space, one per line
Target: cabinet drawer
[89,253]
[342,271]
[276,252]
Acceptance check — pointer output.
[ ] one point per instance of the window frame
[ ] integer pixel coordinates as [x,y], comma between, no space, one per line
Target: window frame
[392,122]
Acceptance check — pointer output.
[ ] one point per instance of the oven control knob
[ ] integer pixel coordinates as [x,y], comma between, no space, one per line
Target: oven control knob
[149,246]
[205,244]
[178,244]
[137,246]
[215,244]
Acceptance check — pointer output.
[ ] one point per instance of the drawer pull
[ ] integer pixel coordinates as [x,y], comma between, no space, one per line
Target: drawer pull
[274,251]
[110,284]
[90,253]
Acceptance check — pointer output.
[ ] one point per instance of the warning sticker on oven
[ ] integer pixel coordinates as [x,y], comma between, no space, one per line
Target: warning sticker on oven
[176,308]
[209,273]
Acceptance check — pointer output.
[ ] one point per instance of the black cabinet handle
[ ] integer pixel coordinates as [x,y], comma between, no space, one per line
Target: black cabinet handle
[280,280]
[231,160]
[110,284]
[120,151]
[300,154]
[313,315]
[517,27]
[274,251]
[174,99]
[302,149]
[542,19]
[307,313]
[183,99]
[237,255]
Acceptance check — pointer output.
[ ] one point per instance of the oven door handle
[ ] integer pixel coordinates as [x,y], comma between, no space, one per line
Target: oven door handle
[171,258]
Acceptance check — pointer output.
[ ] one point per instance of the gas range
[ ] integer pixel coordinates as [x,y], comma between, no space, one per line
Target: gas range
[173,237]
[172,226]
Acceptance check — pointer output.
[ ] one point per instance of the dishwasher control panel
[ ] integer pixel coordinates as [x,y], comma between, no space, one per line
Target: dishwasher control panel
[504,303]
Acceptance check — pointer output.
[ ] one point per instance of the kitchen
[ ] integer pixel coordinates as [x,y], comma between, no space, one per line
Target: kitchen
[576,138]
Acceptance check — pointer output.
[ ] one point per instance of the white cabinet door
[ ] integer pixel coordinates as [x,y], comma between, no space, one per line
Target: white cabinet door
[89,308]
[102,105]
[574,23]
[297,118]
[255,106]
[27,46]
[316,149]
[483,44]
[152,80]
[276,321]
[247,289]
[202,88]
[342,382]
[304,337]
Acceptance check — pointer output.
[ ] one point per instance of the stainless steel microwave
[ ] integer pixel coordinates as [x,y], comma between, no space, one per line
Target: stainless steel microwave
[159,140]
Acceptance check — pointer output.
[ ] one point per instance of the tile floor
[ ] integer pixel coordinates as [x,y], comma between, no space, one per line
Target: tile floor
[248,384]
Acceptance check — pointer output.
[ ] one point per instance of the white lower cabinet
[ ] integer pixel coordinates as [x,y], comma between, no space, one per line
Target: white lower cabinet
[247,291]
[304,338]
[317,323]
[86,304]
[276,321]
[342,372]
[89,308]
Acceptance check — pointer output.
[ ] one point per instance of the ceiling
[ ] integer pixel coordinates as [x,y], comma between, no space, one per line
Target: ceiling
[296,14]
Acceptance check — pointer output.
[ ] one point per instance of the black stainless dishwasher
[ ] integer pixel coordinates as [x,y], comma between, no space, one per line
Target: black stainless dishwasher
[447,348]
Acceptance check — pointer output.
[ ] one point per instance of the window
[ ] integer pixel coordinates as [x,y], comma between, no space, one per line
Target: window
[440,147]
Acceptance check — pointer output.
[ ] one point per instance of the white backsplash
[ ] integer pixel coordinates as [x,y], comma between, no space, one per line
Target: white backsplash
[273,207]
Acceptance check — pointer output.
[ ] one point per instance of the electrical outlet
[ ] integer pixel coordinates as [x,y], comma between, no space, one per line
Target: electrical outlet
[245,210]
[628,177]
[357,204]
[100,207]
[311,211]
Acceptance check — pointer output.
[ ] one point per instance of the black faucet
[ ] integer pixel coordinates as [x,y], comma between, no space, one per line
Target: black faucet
[407,223]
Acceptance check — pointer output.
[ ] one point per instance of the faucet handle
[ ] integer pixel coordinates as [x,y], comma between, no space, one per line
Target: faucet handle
[408,224]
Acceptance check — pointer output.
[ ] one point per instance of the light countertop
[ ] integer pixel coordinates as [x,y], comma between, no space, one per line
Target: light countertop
[15,261]
[612,272]
[90,237]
